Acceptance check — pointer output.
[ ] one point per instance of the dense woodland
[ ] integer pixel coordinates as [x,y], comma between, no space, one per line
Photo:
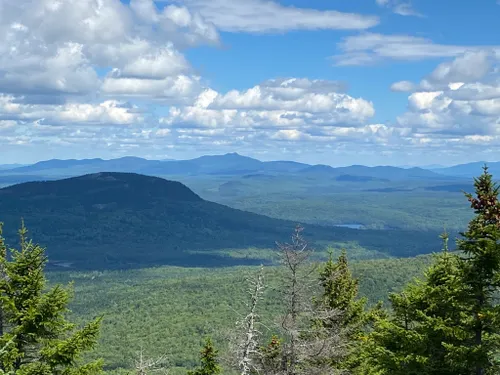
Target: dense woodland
[299,317]
[124,220]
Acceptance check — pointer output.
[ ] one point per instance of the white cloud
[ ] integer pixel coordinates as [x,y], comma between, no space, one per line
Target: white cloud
[157,64]
[263,16]
[275,103]
[109,112]
[66,67]
[403,8]
[50,50]
[464,72]
[403,86]
[178,88]
[470,67]
[370,48]
[460,98]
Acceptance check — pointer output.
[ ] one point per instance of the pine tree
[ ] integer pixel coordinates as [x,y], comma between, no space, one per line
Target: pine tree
[36,337]
[209,361]
[480,266]
[450,323]
[339,292]
[426,316]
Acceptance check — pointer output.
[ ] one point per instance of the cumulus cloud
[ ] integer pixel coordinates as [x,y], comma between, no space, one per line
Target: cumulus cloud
[176,88]
[370,48]
[73,72]
[157,64]
[280,103]
[52,49]
[470,67]
[460,99]
[262,16]
[107,112]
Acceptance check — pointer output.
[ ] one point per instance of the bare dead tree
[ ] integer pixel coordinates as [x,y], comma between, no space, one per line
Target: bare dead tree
[145,366]
[246,347]
[309,345]
[295,258]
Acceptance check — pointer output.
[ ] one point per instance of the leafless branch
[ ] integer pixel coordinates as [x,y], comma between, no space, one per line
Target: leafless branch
[145,366]
[246,342]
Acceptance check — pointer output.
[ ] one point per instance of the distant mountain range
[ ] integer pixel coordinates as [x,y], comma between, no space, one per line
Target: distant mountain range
[10,166]
[470,169]
[231,164]
[119,220]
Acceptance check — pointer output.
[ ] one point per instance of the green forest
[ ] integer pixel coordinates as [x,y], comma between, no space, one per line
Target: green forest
[301,314]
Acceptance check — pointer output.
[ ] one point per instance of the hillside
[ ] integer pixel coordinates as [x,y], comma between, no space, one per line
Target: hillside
[117,220]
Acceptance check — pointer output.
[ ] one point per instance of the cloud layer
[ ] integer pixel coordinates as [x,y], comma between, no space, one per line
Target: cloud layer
[370,48]
[104,78]
[264,16]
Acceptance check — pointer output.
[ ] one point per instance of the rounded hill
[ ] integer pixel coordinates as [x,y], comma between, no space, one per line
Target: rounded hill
[103,188]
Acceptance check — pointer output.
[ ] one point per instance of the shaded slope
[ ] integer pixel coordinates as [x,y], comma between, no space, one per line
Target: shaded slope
[115,220]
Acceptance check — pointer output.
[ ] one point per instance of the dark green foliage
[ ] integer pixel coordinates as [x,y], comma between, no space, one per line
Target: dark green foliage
[36,338]
[115,220]
[450,323]
[339,292]
[209,361]
[481,278]
[171,308]
[425,315]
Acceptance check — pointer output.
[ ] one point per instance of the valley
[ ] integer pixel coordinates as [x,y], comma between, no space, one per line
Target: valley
[249,187]
[169,255]
[169,310]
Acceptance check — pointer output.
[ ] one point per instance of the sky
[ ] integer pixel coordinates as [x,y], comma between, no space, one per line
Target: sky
[339,82]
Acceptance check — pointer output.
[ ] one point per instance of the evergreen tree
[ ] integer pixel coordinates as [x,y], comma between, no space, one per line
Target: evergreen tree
[209,361]
[36,337]
[480,266]
[339,292]
[450,323]
[426,316]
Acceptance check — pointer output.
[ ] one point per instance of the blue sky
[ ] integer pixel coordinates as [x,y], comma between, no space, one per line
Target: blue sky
[337,82]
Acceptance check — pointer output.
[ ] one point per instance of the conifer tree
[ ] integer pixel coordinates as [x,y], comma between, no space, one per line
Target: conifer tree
[480,266]
[36,337]
[450,322]
[339,292]
[426,315]
[209,361]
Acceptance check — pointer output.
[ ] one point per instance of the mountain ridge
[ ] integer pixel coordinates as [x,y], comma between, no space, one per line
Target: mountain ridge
[230,164]
[116,220]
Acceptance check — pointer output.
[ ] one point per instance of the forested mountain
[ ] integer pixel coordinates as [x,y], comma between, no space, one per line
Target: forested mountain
[110,220]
